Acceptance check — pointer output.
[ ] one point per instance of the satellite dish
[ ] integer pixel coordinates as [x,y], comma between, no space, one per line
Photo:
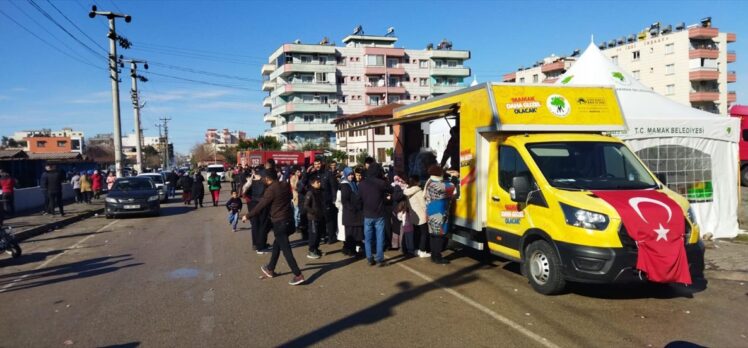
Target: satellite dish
[430,46]
[680,26]
[324,41]
[358,30]
[390,31]
[297,41]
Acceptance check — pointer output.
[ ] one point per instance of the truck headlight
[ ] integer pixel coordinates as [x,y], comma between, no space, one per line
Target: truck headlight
[691,216]
[584,218]
[152,198]
[111,200]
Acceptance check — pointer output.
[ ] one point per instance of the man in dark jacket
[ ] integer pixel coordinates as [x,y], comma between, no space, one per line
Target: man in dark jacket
[171,178]
[260,222]
[374,191]
[186,182]
[315,213]
[198,189]
[51,182]
[277,200]
[238,180]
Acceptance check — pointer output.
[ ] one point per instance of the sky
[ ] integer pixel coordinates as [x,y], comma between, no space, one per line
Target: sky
[205,56]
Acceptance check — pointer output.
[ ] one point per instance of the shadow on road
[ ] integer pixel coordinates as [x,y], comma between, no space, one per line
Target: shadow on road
[170,211]
[124,345]
[82,234]
[29,258]
[383,309]
[323,268]
[69,271]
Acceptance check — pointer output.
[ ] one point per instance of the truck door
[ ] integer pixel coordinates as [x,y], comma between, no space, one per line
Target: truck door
[506,220]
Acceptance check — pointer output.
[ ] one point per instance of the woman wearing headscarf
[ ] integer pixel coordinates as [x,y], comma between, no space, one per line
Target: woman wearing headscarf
[353,218]
[96,184]
[85,187]
[437,194]
[197,189]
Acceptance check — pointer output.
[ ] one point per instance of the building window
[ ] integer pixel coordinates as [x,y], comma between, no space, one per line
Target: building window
[423,82]
[424,97]
[305,59]
[651,50]
[323,60]
[521,80]
[374,100]
[308,118]
[535,78]
[669,48]
[636,74]
[424,64]
[321,77]
[375,60]
[651,70]
[379,131]
[41,143]
[637,55]
[614,59]
[392,62]
[669,69]
[452,63]
[61,143]
[340,60]
[289,58]
[670,89]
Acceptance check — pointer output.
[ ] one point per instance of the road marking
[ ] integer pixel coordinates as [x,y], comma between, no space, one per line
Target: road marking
[45,263]
[502,319]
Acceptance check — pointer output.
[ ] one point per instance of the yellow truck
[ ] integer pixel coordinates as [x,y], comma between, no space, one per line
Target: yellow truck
[531,158]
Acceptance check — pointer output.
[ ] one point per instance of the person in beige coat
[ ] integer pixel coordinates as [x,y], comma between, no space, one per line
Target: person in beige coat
[86,189]
[418,215]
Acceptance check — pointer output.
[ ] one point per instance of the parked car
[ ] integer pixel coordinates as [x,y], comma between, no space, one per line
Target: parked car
[160,181]
[132,195]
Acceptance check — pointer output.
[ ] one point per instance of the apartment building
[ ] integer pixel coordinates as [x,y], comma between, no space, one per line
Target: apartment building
[374,141]
[224,136]
[49,141]
[310,85]
[689,64]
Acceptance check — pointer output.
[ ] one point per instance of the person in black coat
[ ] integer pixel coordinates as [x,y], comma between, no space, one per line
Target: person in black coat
[198,189]
[51,182]
[186,183]
[353,216]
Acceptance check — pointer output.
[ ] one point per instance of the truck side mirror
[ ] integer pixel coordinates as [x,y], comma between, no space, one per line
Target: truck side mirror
[662,177]
[520,189]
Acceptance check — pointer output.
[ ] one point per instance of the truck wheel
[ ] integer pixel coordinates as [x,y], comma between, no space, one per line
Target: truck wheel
[542,267]
[744,176]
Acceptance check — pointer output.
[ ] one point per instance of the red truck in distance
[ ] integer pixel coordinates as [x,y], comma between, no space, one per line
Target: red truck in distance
[282,158]
[742,112]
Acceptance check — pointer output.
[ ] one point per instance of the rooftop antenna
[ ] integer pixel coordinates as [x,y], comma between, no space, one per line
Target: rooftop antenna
[358,30]
[390,32]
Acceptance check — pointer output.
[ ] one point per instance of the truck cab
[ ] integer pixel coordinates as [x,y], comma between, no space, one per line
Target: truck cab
[535,163]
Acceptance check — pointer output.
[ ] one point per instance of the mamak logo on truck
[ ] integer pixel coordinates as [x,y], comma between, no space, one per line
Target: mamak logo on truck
[558,105]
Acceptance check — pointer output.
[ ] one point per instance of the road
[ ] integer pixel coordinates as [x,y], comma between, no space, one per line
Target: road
[184,279]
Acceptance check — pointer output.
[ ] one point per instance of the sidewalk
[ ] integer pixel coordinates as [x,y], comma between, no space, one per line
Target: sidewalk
[30,225]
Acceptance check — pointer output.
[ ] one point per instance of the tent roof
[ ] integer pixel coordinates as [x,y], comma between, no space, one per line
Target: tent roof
[637,100]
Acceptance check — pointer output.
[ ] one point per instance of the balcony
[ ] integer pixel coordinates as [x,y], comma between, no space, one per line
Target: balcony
[299,87]
[303,107]
[302,48]
[449,54]
[268,85]
[270,118]
[385,89]
[442,89]
[704,96]
[709,53]
[267,69]
[385,51]
[510,77]
[731,56]
[731,37]
[380,70]
[703,74]
[307,127]
[702,33]
[555,66]
[550,80]
[288,69]
[447,71]
[732,96]
[267,102]
[732,77]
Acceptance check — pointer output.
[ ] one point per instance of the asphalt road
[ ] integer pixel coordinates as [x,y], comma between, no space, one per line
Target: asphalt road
[185,280]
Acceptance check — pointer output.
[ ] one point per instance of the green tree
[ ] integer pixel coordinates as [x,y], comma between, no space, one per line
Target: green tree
[361,157]
[339,156]
[243,145]
[389,152]
[264,143]
[229,155]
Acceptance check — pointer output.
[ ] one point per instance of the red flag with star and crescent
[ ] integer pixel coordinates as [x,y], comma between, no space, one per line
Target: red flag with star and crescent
[658,226]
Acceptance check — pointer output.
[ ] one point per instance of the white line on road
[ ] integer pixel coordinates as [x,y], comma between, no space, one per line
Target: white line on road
[502,319]
[45,263]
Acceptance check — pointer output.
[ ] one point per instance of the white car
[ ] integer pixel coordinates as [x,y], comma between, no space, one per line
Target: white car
[160,182]
[218,169]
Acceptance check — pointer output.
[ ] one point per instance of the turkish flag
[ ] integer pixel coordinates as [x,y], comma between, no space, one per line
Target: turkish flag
[658,226]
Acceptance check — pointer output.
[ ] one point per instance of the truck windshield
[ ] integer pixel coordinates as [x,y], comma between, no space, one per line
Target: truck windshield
[590,166]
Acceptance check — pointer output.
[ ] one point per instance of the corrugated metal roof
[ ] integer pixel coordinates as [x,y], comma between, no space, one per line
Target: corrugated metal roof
[56,156]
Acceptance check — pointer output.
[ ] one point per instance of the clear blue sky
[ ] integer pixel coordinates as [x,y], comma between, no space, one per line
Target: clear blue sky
[41,87]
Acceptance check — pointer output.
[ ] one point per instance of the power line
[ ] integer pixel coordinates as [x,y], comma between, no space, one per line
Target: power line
[48,16]
[49,44]
[60,41]
[158,46]
[203,72]
[202,82]
[199,56]
[76,27]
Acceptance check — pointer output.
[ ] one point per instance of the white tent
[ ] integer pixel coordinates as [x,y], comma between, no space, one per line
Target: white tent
[697,151]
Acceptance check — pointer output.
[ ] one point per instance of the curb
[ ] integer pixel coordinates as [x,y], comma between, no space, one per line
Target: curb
[38,230]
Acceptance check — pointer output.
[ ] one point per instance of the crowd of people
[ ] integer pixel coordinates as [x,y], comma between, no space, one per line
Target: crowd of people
[367,208]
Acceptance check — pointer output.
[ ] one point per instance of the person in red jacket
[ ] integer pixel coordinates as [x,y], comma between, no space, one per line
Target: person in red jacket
[96,184]
[7,184]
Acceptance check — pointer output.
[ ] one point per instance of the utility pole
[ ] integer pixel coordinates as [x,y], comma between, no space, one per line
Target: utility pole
[136,106]
[165,121]
[160,135]
[114,76]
